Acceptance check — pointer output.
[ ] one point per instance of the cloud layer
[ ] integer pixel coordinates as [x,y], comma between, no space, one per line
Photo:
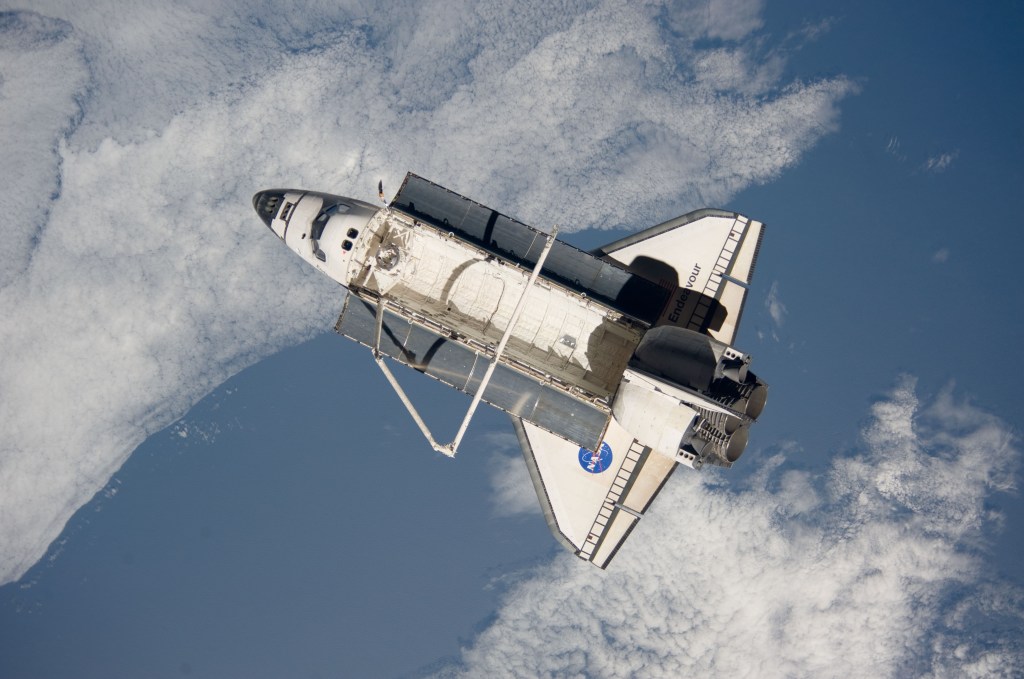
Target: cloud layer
[873,570]
[134,276]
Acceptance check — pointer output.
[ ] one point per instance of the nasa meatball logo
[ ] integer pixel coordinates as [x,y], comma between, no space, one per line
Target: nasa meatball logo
[595,463]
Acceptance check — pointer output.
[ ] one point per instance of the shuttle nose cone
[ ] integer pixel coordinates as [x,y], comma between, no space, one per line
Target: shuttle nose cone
[266,204]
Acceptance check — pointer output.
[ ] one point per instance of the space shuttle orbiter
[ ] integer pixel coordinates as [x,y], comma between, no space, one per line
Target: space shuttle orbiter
[615,365]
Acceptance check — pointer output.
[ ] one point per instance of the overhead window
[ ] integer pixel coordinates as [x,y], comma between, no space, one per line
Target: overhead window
[325,216]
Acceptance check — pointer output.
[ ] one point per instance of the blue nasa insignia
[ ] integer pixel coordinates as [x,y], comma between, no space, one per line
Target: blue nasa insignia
[595,463]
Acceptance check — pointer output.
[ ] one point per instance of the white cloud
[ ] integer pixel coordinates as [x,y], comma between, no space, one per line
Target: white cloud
[941,256]
[512,491]
[812,32]
[874,570]
[895,149]
[776,309]
[733,19]
[42,72]
[145,280]
[940,163]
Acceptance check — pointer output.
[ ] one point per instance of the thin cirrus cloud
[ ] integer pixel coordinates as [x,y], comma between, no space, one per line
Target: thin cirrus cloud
[137,277]
[940,163]
[773,303]
[874,569]
[512,491]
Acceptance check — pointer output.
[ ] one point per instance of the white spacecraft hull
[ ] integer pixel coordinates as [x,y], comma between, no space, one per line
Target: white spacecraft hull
[615,366]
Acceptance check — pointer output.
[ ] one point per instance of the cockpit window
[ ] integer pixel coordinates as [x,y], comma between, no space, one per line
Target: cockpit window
[320,223]
[325,215]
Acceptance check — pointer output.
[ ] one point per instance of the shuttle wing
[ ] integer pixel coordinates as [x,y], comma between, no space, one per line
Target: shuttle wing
[707,257]
[592,501]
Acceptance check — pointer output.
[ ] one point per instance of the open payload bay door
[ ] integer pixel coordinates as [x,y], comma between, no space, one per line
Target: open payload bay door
[438,353]
[601,279]
[592,500]
[706,257]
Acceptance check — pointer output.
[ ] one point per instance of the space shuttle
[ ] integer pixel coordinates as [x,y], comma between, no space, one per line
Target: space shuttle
[616,365]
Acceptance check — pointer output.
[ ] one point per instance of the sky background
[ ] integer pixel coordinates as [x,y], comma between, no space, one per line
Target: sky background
[198,479]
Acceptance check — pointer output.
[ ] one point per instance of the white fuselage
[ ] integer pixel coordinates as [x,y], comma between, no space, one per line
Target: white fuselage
[562,337]
[366,249]
[615,365]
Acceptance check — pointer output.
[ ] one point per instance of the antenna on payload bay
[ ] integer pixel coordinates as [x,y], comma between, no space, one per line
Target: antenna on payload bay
[380,192]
